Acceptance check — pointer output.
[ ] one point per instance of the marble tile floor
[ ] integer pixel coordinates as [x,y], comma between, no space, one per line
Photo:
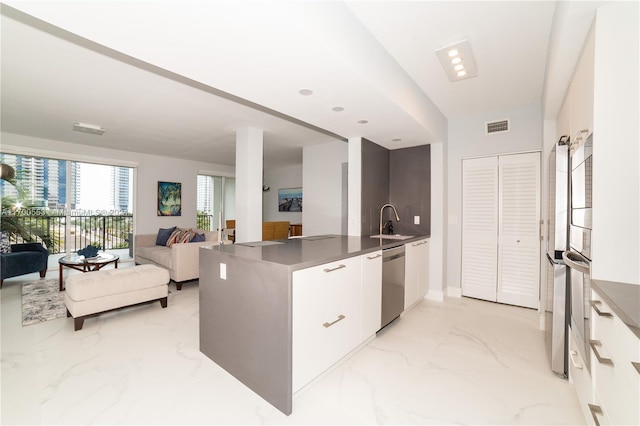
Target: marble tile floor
[462,361]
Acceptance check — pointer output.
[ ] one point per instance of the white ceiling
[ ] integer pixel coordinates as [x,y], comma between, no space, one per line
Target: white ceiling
[176,78]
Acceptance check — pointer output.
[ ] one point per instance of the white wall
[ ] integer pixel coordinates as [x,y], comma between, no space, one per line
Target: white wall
[322,182]
[150,170]
[467,139]
[616,147]
[283,177]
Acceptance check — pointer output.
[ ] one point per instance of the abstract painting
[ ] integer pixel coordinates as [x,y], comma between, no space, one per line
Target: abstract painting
[169,199]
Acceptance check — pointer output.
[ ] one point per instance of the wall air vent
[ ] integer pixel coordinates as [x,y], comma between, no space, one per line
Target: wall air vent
[497,127]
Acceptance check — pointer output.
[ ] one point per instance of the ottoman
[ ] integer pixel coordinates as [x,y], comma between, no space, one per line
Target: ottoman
[100,291]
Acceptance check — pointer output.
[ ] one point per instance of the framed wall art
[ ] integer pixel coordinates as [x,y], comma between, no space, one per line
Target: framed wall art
[169,198]
[290,200]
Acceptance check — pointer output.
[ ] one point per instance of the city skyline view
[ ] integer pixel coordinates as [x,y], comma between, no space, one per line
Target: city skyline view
[91,188]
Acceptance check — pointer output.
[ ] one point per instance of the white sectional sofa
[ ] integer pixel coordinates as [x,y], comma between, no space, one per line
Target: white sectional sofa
[181,259]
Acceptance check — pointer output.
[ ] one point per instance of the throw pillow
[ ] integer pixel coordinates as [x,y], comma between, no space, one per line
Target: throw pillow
[163,236]
[197,238]
[5,244]
[173,238]
[186,235]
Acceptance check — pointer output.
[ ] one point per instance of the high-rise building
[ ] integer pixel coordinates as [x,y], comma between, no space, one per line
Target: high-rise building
[121,188]
[205,194]
[45,183]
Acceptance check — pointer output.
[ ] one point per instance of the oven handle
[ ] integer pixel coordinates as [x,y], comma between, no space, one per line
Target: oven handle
[574,261]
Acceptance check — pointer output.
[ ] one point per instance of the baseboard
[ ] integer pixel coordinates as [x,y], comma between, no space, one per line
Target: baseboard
[436,295]
[454,292]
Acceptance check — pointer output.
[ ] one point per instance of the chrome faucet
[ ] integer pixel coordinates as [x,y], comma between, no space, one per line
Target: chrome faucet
[394,210]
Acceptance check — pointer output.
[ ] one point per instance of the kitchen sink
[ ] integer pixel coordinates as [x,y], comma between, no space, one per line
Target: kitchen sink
[392,236]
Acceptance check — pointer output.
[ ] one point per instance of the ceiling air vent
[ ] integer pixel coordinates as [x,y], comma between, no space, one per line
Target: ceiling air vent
[497,127]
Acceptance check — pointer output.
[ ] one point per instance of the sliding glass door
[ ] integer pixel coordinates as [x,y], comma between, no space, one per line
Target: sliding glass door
[216,201]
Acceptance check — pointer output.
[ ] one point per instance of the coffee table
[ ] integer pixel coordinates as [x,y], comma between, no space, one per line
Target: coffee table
[80,263]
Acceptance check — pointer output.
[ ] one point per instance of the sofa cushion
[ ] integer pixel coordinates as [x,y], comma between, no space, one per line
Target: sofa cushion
[5,244]
[163,235]
[157,254]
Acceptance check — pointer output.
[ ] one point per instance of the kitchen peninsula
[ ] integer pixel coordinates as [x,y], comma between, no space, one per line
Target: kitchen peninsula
[277,314]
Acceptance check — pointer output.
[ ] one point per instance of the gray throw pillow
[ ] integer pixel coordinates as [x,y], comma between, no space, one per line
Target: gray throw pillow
[198,238]
[163,236]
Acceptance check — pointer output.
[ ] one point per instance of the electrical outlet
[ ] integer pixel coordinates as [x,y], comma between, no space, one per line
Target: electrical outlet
[223,271]
[416,220]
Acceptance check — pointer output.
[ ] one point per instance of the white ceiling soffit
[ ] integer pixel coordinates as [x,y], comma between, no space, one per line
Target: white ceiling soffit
[49,82]
[509,41]
[265,52]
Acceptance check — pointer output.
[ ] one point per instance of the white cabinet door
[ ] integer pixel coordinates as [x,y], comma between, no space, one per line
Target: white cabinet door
[563,121]
[480,227]
[501,229]
[581,90]
[371,294]
[519,230]
[326,317]
[614,349]
[416,272]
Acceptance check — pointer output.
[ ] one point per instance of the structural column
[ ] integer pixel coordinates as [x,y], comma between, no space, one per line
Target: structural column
[249,157]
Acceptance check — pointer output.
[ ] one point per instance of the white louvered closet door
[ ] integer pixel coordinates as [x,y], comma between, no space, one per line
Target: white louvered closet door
[480,227]
[500,229]
[519,230]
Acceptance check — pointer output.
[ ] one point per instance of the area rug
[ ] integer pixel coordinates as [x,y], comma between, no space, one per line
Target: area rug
[41,301]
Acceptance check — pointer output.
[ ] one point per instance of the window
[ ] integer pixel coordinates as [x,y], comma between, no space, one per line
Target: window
[216,199]
[67,205]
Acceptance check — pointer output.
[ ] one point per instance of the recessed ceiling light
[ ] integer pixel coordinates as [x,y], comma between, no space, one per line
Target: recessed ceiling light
[396,140]
[460,66]
[453,52]
[88,128]
[363,121]
[305,92]
[337,109]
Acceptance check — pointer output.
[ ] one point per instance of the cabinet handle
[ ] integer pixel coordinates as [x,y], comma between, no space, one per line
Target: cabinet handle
[595,411]
[636,365]
[573,360]
[595,304]
[374,257]
[335,269]
[419,244]
[594,344]
[329,324]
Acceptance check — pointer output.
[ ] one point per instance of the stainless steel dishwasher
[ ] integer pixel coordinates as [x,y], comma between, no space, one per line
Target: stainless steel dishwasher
[392,284]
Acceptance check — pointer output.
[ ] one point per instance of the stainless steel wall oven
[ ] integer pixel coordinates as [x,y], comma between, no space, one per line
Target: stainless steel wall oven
[578,256]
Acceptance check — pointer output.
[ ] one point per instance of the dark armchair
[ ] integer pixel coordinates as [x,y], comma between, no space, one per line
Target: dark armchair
[24,259]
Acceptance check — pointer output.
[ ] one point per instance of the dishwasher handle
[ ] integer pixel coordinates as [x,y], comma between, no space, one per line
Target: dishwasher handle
[392,257]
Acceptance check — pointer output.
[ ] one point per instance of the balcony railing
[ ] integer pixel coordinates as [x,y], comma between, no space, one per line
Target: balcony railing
[109,232]
[205,221]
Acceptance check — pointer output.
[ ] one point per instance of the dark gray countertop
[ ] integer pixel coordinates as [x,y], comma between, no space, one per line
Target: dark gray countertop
[624,300]
[304,252]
